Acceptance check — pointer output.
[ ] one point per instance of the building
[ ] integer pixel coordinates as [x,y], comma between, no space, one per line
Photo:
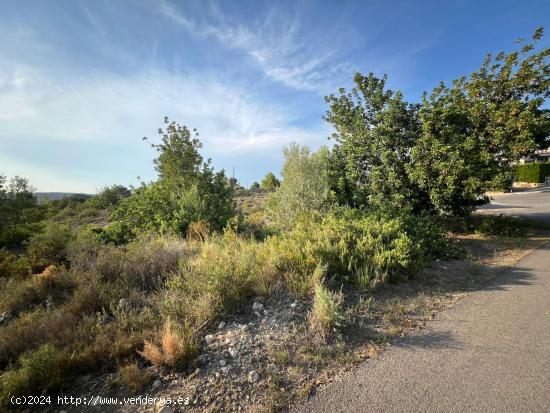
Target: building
[541,155]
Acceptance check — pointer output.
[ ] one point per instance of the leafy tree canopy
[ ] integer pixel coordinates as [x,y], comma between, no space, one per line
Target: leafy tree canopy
[270,182]
[443,154]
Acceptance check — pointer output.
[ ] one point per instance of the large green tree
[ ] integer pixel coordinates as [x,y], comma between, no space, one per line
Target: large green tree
[444,154]
[474,129]
[374,132]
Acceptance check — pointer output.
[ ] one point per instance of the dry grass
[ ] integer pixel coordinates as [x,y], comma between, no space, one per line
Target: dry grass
[134,378]
[325,316]
[173,348]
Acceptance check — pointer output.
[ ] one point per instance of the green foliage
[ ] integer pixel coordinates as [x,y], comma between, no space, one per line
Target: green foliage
[474,129]
[500,225]
[326,314]
[187,191]
[108,197]
[375,130]
[20,214]
[11,265]
[48,247]
[349,241]
[444,154]
[532,172]
[38,371]
[305,185]
[269,183]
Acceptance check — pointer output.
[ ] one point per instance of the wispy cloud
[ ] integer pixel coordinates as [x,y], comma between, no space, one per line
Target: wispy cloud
[103,107]
[276,43]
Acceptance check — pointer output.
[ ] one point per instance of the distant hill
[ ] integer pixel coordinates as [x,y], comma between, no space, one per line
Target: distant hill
[54,196]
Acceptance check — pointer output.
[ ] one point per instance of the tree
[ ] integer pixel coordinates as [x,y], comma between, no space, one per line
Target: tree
[270,182]
[305,185]
[188,190]
[20,213]
[444,154]
[475,129]
[375,131]
[108,197]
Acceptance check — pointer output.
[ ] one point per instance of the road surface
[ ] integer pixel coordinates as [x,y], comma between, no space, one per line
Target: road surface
[529,204]
[489,353]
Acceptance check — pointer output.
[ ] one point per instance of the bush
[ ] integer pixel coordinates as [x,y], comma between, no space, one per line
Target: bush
[175,347]
[348,241]
[12,266]
[305,186]
[51,287]
[325,315]
[500,225]
[49,247]
[134,378]
[215,280]
[38,371]
[532,172]
[188,190]
[143,264]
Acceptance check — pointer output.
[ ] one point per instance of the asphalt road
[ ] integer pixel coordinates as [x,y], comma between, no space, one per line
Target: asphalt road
[530,204]
[489,353]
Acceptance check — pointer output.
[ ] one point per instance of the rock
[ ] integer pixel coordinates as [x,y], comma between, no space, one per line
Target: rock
[294,305]
[5,317]
[266,313]
[156,384]
[209,339]
[257,306]
[253,376]
[226,369]
[223,362]
[123,304]
[163,408]
[233,352]
[271,368]
[221,325]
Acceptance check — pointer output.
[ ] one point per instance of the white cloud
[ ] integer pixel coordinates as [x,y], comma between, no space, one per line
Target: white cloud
[278,46]
[103,108]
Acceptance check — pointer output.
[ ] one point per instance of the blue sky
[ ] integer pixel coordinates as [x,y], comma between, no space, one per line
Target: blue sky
[81,82]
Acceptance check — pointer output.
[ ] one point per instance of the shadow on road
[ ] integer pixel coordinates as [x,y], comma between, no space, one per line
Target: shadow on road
[405,307]
[498,206]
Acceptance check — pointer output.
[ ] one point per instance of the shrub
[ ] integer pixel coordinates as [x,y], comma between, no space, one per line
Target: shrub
[38,371]
[12,266]
[532,172]
[269,183]
[215,280]
[325,315]
[174,349]
[347,241]
[134,378]
[500,225]
[53,286]
[304,188]
[30,330]
[188,189]
[143,264]
[49,247]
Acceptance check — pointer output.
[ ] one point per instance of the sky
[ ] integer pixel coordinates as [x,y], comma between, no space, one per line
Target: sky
[81,82]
